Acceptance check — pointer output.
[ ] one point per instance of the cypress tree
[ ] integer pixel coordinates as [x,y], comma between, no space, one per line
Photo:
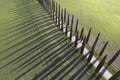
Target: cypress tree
[83,45]
[54,6]
[88,36]
[61,19]
[67,24]
[59,16]
[100,64]
[72,20]
[76,26]
[71,34]
[102,50]
[71,27]
[49,4]
[56,13]
[114,58]
[93,47]
[81,34]
[50,8]
[115,76]
[92,51]
[53,9]
[68,19]
[90,55]
[76,39]
[64,15]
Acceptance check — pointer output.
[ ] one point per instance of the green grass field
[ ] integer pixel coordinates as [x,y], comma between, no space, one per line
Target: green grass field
[32,47]
[101,15]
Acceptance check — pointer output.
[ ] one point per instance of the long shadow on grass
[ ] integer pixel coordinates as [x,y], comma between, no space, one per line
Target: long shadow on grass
[27,12]
[27,53]
[53,51]
[76,64]
[62,70]
[30,8]
[42,53]
[32,36]
[18,9]
[81,71]
[31,43]
[17,18]
[55,66]
[25,19]
[98,77]
[38,47]
[40,62]
[38,55]
[87,67]
[20,28]
[45,50]
[27,26]
[29,62]
[34,28]
[59,61]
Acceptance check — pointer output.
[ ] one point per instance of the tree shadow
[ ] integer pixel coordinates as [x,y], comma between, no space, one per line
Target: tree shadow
[46,48]
[20,25]
[19,58]
[59,61]
[38,55]
[38,62]
[26,40]
[30,25]
[101,74]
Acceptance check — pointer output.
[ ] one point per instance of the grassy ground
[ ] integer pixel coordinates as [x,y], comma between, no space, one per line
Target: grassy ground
[33,47]
[102,16]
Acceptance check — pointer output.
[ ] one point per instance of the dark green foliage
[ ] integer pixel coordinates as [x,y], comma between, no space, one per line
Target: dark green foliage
[68,19]
[88,36]
[114,58]
[61,19]
[100,64]
[53,9]
[83,45]
[76,39]
[96,40]
[104,47]
[91,55]
[81,34]
[71,27]
[59,16]
[64,15]
[76,26]
[71,33]
[53,6]
[67,24]
[56,13]
[72,20]
[115,76]
[50,7]
[66,30]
